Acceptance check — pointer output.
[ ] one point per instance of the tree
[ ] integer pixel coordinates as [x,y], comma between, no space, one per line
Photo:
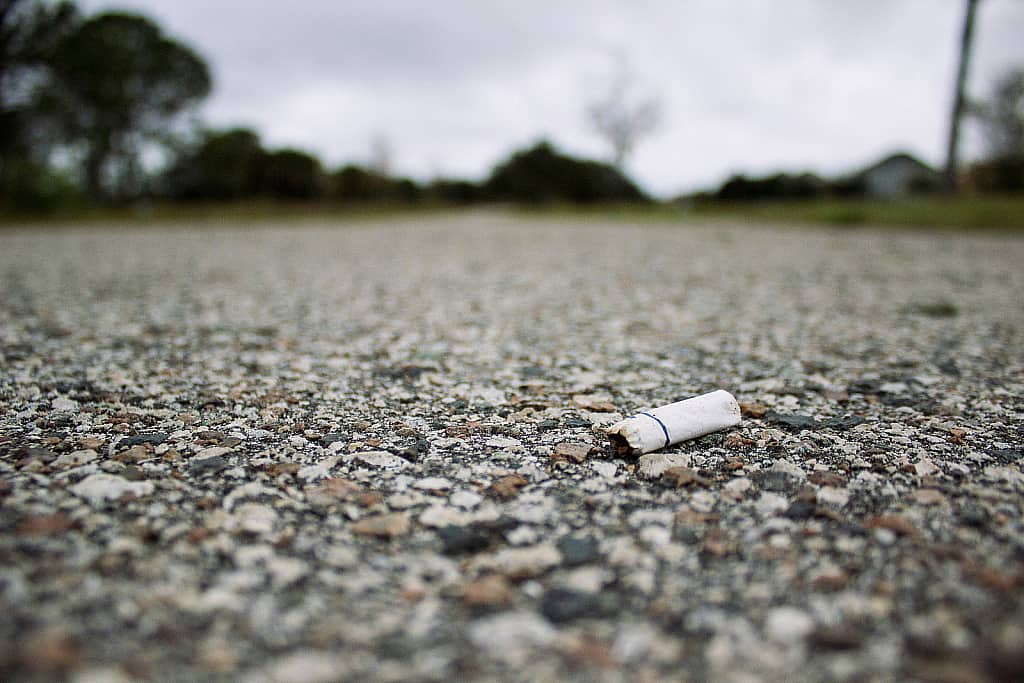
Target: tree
[959,96]
[542,174]
[29,32]
[120,84]
[1002,117]
[621,116]
[226,165]
[291,174]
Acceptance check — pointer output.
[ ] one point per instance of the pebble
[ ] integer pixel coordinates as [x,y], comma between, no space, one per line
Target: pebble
[100,488]
[465,499]
[76,458]
[788,625]
[653,465]
[433,484]
[386,526]
[511,636]
[382,460]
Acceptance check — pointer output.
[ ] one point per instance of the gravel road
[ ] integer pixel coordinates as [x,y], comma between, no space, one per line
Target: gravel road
[375,452]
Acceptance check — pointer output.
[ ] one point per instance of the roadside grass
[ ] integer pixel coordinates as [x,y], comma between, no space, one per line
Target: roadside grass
[1003,213]
[988,213]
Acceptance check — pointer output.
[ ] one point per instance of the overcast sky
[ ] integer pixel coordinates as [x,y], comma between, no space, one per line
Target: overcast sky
[455,85]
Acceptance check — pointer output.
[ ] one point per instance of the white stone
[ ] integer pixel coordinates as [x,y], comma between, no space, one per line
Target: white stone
[738,485]
[101,487]
[502,442]
[510,636]
[381,459]
[64,404]
[433,484]
[655,536]
[786,467]
[521,562]
[465,499]
[319,470]
[653,465]
[441,515]
[309,667]
[285,571]
[770,503]
[604,468]
[833,496]
[255,518]
[76,458]
[788,625]
[212,452]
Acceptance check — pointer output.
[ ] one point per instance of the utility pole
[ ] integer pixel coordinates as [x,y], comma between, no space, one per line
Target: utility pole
[959,98]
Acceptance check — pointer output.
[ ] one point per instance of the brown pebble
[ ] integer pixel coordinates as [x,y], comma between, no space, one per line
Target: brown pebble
[826,478]
[684,476]
[755,410]
[45,525]
[383,526]
[286,468]
[929,497]
[895,523]
[492,590]
[508,486]
[573,452]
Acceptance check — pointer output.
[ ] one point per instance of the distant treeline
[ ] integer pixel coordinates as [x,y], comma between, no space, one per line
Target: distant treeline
[100,110]
[87,104]
[232,165]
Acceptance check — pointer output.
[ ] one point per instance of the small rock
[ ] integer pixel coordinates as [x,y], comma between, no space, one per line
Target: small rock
[63,404]
[598,403]
[465,499]
[572,452]
[578,550]
[684,476]
[827,478]
[562,605]
[458,540]
[502,442]
[491,590]
[792,422]
[101,487]
[433,484]
[382,460]
[894,523]
[199,467]
[383,526]
[833,496]
[45,525]
[309,667]
[522,563]
[929,497]
[508,486]
[256,519]
[652,465]
[788,625]
[76,458]
[510,636]
[155,439]
[604,468]
[754,410]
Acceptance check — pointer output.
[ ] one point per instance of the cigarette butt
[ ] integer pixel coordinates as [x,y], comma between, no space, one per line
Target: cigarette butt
[651,430]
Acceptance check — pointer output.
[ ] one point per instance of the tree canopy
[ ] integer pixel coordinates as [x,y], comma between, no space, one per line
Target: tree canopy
[118,84]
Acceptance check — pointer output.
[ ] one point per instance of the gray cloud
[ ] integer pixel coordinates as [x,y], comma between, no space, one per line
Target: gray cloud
[747,85]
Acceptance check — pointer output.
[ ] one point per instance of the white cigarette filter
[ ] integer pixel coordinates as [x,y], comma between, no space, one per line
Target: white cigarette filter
[651,430]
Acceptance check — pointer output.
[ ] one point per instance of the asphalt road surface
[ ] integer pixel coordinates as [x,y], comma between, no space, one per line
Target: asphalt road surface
[376,452]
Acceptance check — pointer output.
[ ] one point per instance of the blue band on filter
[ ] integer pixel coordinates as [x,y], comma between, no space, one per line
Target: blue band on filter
[661,424]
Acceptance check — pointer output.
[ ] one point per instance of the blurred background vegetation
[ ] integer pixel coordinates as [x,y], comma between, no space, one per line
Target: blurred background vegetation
[98,113]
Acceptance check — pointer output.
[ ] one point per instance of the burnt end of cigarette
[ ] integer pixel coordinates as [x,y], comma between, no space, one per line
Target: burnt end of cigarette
[651,430]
